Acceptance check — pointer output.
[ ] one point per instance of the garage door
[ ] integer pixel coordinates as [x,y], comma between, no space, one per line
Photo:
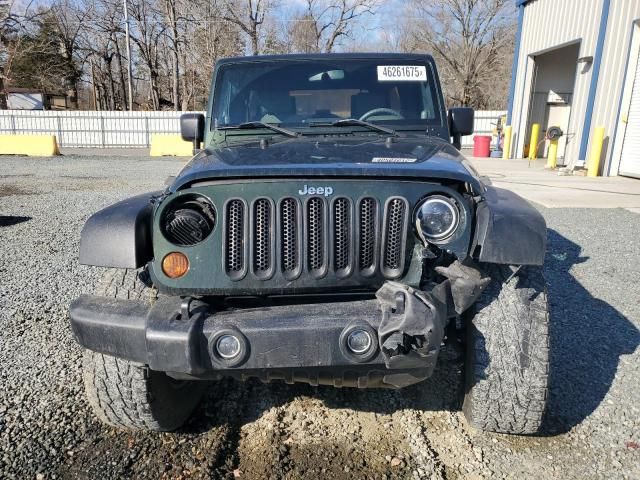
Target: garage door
[630,159]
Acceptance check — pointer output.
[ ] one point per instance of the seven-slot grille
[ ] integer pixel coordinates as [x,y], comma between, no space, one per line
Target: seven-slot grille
[315,236]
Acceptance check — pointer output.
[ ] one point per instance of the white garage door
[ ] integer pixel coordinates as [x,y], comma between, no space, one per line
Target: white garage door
[630,159]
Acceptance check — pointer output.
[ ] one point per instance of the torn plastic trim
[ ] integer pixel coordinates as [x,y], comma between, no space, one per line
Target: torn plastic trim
[413,321]
[412,325]
[465,283]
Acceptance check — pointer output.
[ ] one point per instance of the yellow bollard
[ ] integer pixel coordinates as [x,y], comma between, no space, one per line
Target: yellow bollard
[593,165]
[506,147]
[552,154]
[533,145]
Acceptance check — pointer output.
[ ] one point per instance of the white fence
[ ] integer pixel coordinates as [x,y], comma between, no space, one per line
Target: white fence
[91,128]
[130,129]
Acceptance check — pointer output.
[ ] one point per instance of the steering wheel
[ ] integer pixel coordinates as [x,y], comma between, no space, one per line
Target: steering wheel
[377,111]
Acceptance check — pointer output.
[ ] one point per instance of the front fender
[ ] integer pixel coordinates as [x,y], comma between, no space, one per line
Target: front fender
[119,236]
[509,230]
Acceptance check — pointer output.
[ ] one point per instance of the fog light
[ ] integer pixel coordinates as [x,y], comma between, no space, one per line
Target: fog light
[359,341]
[228,346]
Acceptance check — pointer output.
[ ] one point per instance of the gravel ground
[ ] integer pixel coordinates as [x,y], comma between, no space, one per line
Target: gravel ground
[252,430]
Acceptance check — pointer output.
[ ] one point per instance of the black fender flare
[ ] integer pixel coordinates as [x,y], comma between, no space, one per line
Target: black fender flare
[509,230]
[119,236]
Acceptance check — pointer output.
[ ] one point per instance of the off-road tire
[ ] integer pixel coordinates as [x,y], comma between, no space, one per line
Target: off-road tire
[130,395]
[507,357]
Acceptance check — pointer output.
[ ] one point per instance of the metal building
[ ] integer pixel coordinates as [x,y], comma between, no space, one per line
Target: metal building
[577,66]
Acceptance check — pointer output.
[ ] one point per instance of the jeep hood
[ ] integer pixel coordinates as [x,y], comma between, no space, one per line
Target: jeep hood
[405,157]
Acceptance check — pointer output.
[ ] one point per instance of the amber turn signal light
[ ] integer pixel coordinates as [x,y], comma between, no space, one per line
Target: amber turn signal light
[175,265]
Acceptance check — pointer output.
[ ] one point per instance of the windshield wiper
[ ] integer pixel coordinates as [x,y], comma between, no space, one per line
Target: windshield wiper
[256,125]
[352,122]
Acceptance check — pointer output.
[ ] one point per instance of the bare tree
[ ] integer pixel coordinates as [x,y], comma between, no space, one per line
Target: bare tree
[102,44]
[147,34]
[171,15]
[326,22]
[303,34]
[176,44]
[8,27]
[13,29]
[249,15]
[472,42]
[210,38]
[69,22]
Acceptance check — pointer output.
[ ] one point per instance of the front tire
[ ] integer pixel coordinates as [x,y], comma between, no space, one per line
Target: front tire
[130,395]
[507,363]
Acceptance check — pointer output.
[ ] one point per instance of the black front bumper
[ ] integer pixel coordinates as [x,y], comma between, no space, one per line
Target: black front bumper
[295,343]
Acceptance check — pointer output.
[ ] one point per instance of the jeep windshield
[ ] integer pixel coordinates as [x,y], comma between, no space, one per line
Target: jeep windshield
[303,93]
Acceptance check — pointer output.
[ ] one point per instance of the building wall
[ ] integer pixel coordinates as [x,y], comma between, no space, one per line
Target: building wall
[25,101]
[549,24]
[615,57]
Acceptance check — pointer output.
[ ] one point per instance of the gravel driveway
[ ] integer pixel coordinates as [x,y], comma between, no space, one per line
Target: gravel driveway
[280,431]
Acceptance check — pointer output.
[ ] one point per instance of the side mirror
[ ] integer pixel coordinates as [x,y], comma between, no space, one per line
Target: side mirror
[192,127]
[460,123]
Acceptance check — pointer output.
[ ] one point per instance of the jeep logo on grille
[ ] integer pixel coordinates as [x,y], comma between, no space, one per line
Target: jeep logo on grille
[307,190]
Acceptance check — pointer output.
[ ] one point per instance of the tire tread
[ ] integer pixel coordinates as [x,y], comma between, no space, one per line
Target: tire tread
[121,392]
[508,353]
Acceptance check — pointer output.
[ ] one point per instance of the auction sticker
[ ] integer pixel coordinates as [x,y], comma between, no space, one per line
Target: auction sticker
[402,73]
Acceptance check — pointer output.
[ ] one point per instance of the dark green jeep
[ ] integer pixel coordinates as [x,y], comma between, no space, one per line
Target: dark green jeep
[329,232]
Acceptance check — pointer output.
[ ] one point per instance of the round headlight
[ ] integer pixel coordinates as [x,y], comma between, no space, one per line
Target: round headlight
[188,220]
[436,219]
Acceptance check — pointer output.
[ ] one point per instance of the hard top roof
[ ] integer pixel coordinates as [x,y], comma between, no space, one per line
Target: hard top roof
[328,56]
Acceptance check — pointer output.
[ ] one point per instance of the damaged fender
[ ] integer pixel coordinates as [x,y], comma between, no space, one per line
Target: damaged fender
[119,236]
[509,230]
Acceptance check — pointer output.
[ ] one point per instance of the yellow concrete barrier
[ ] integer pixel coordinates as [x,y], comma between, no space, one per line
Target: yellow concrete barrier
[593,165]
[170,145]
[31,145]
[506,146]
[533,146]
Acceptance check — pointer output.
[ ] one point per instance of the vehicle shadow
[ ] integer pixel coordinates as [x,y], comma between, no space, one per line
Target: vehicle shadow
[10,220]
[587,335]
[587,338]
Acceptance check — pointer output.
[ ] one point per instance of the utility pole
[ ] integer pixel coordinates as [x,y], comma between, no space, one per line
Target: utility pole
[126,32]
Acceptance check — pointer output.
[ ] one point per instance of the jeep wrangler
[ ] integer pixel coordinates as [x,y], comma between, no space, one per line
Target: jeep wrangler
[327,231]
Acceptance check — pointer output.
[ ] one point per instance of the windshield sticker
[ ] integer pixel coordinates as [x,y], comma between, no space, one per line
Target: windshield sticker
[402,73]
[393,160]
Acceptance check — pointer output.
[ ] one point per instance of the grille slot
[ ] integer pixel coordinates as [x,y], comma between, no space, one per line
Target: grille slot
[262,238]
[394,237]
[290,237]
[316,247]
[368,235]
[342,240]
[235,255]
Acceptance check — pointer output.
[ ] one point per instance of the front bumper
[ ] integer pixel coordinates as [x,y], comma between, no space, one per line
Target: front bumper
[295,343]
